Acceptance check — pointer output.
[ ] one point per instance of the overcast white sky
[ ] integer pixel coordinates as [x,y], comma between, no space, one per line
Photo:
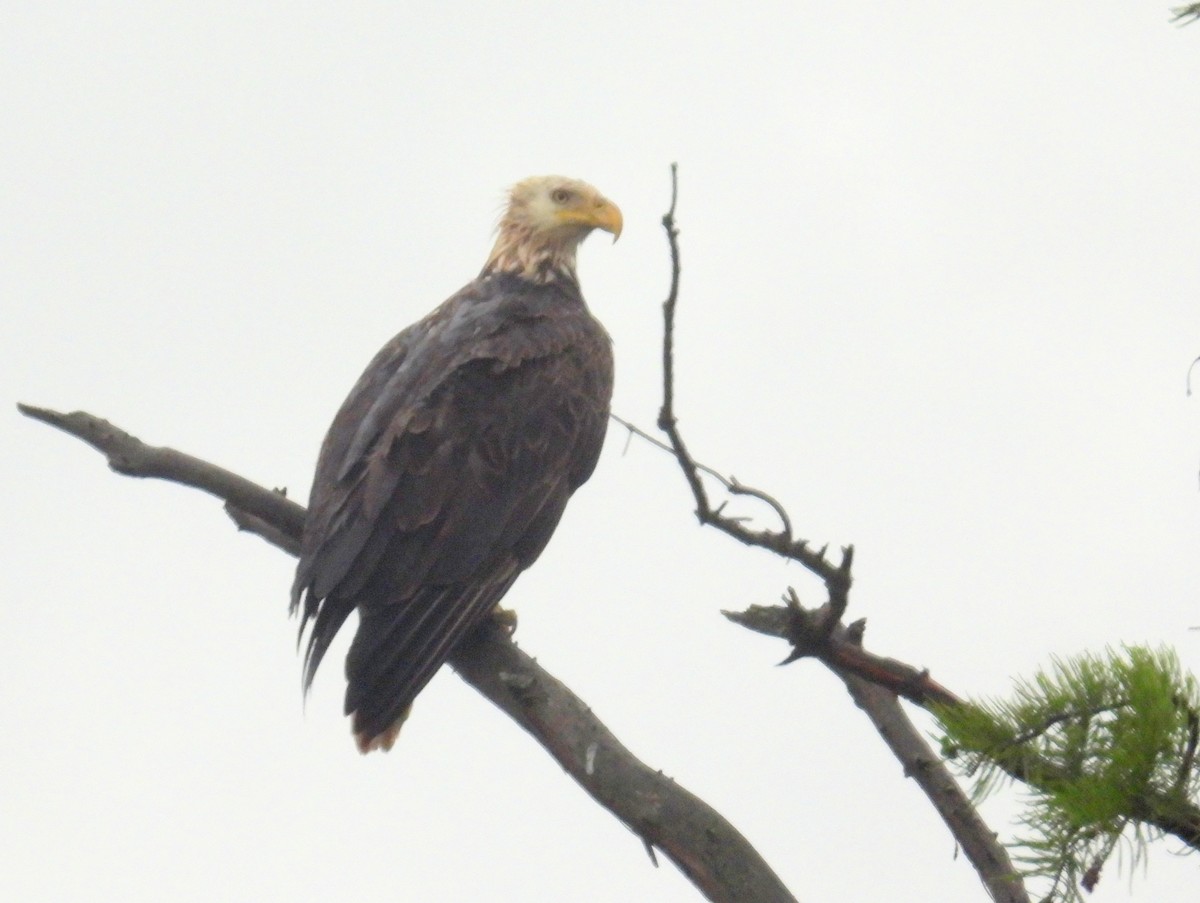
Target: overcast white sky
[940,296]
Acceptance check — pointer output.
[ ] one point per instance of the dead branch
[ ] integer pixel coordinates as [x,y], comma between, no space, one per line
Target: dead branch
[923,765]
[820,633]
[717,859]
[875,682]
[812,635]
[836,577]
[132,457]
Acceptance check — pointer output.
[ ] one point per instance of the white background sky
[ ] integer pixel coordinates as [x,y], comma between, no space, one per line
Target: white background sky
[940,295]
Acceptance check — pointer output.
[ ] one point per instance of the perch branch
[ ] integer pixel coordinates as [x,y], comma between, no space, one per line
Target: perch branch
[710,852]
[132,457]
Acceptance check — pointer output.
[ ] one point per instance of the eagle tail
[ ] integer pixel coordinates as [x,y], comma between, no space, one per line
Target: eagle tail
[327,621]
[385,741]
[399,647]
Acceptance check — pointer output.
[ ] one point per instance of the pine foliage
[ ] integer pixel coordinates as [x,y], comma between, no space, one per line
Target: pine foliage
[1185,15]
[1103,742]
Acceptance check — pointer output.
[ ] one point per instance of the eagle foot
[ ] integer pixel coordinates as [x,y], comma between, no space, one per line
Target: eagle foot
[505,619]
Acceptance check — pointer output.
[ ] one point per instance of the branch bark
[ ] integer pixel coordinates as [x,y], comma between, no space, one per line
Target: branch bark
[923,765]
[713,855]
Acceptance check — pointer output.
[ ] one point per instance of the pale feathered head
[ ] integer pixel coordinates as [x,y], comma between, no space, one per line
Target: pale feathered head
[546,219]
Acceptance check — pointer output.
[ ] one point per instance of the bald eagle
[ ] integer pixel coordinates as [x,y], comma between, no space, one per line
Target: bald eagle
[448,466]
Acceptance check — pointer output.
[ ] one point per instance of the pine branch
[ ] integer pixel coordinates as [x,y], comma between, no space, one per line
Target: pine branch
[1185,15]
[1106,745]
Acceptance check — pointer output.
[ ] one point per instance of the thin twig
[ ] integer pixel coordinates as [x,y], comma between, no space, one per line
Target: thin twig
[731,483]
[837,577]
[1052,721]
[737,487]
[635,430]
[1188,761]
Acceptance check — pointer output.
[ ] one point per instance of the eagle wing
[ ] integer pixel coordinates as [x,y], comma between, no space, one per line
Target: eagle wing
[443,477]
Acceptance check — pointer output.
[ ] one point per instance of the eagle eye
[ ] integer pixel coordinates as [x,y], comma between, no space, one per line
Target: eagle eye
[560,195]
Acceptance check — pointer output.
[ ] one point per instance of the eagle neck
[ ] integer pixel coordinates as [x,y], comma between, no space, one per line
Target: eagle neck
[536,256]
[543,272]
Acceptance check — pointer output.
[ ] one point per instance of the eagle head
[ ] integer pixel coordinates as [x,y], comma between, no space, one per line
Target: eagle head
[545,220]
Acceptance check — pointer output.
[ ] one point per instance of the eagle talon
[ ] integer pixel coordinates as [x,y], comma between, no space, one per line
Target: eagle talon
[505,619]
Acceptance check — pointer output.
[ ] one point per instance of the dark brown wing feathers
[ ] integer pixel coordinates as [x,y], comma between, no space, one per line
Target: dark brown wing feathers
[442,478]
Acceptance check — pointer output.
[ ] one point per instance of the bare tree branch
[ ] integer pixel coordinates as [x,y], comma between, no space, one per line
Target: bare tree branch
[842,652]
[875,682]
[820,633]
[130,456]
[717,859]
[813,633]
[923,765]
[836,577]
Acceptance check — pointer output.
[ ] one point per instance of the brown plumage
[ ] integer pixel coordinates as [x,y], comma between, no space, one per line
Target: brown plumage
[450,463]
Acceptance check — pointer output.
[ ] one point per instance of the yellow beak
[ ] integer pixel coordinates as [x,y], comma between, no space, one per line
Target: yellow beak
[600,214]
[607,216]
